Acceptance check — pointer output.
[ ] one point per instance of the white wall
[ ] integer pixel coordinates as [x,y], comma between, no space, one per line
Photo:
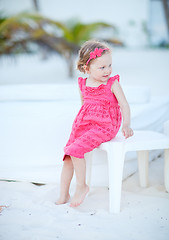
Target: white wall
[146,67]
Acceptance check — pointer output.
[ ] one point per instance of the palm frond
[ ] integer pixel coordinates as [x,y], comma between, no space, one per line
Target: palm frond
[19,32]
[83,32]
[32,19]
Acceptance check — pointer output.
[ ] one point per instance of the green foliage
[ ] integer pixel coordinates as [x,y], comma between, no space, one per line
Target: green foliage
[20,30]
[80,32]
[19,33]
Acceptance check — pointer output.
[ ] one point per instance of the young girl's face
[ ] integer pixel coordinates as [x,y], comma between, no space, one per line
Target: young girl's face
[101,68]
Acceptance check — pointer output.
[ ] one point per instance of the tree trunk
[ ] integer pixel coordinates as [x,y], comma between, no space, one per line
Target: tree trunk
[70,64]
[166,11]
[36,5]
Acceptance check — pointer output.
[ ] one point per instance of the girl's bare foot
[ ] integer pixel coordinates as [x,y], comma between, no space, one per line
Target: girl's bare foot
[63,200]
[80,194]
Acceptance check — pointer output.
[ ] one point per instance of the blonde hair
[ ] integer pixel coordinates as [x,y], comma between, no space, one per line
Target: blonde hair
[84,53]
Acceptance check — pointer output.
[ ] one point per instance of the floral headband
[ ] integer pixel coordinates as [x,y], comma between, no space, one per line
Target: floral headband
[96,53]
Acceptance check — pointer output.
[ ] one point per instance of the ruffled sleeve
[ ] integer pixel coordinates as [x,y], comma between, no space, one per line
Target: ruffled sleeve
[112,80]
[116,77]
[81,83]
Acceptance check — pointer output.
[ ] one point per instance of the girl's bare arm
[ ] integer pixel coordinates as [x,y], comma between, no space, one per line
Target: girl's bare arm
[125,109]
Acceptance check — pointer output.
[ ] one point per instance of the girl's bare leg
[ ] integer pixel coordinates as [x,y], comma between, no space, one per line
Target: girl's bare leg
[81,187]
[66,177]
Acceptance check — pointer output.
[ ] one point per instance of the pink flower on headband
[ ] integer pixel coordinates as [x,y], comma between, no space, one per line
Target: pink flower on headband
[96,53]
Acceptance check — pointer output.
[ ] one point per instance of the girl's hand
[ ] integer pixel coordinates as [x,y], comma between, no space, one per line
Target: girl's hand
[127,131]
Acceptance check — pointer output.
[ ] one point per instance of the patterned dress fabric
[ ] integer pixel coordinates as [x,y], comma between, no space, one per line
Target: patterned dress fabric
[98,120]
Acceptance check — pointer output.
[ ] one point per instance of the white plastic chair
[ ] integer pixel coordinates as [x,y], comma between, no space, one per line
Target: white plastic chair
[142,142]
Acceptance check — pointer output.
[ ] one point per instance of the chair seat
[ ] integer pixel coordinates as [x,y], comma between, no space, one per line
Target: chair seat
[141,140]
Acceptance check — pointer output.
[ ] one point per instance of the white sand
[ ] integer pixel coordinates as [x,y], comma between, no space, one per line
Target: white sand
[33,215]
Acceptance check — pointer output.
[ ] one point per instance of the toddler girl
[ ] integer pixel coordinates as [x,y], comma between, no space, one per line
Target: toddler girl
[98,120]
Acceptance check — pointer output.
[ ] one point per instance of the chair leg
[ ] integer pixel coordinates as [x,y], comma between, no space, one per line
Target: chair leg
[143,164]
[166,169]
[115,155]
[89,167]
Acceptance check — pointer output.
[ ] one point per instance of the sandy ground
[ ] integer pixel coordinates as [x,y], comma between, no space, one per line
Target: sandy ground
[32,213]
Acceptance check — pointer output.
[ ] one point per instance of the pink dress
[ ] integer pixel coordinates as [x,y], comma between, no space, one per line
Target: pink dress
[98,120]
